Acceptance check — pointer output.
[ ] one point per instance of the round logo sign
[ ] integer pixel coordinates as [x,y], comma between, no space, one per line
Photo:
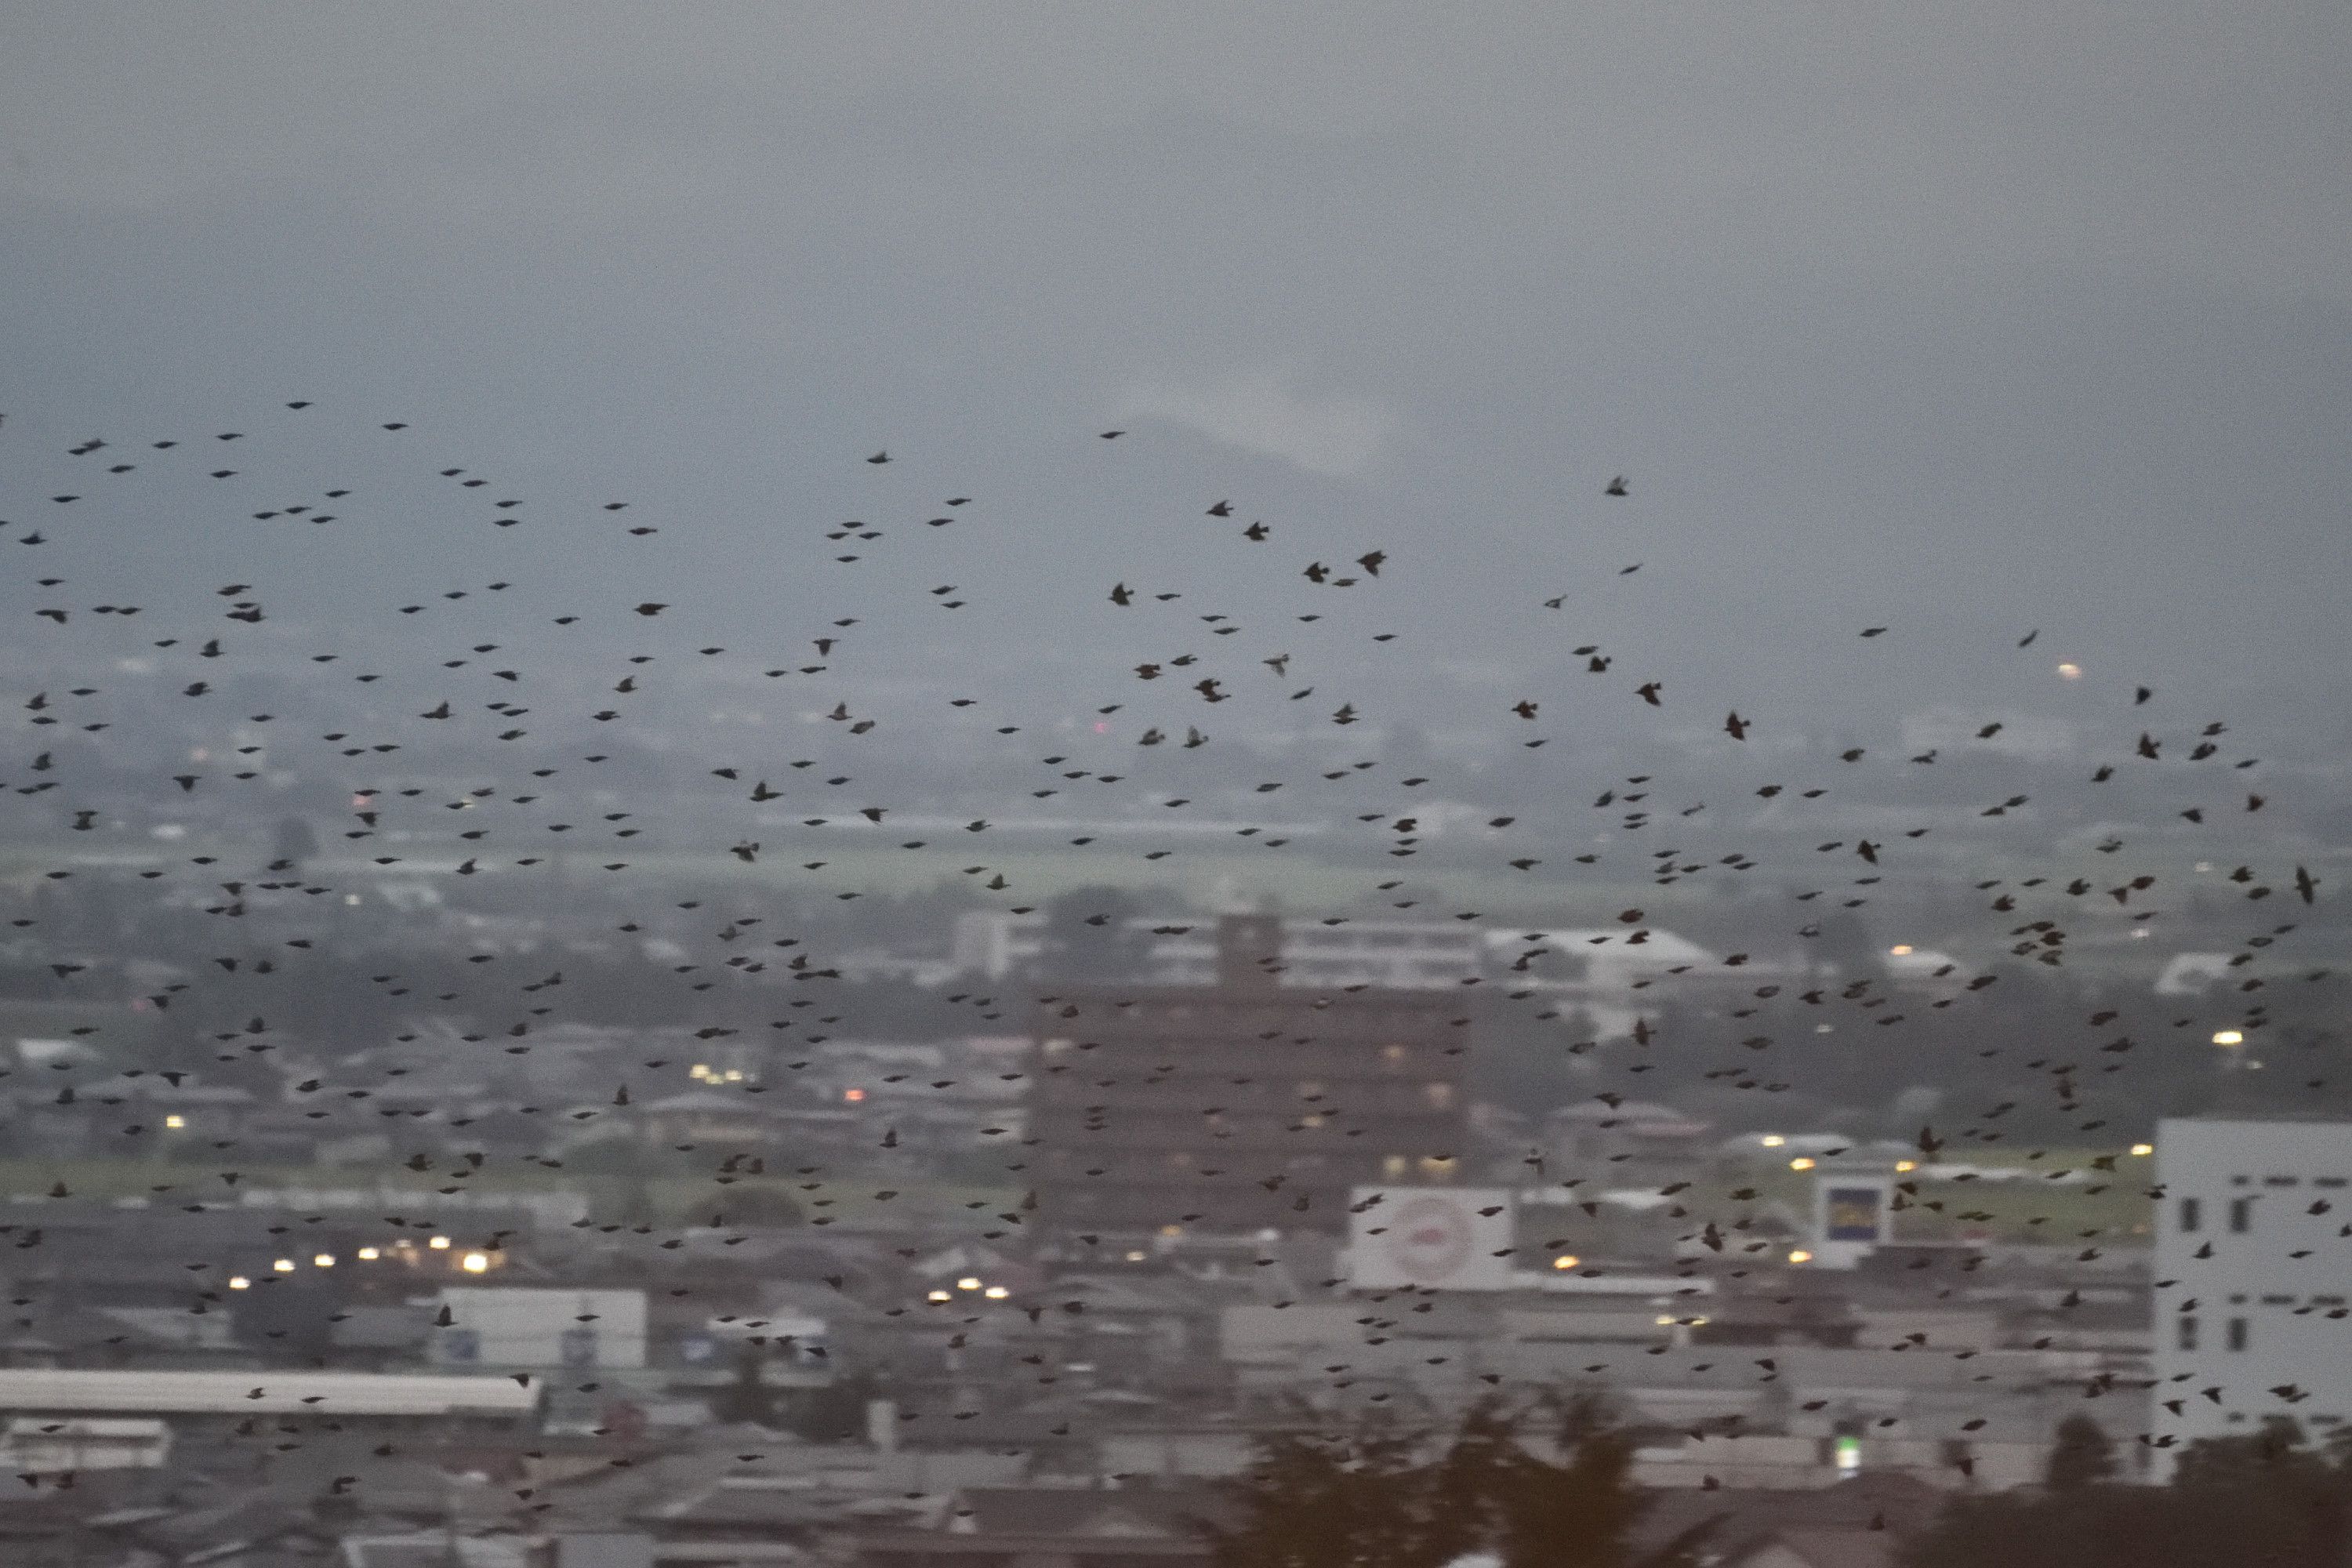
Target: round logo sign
[1429,1238]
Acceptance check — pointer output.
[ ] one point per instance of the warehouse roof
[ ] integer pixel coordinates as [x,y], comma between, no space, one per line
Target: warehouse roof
[270,1393]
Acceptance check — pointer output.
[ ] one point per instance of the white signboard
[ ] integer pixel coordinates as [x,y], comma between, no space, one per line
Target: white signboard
[1445,1238]
[1851,1214]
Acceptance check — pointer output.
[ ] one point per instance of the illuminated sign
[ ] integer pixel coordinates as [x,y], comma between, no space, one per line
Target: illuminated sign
[1854,1214]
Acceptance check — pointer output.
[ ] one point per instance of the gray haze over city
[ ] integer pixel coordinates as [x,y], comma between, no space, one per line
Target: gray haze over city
[1954,320]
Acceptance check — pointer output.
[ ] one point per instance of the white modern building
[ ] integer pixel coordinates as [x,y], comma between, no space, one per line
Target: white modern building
[1182,950]
[528,1326]
[2254,1265]
[1405,954]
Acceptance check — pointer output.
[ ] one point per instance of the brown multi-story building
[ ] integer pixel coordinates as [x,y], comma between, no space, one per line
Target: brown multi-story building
[1243,1105]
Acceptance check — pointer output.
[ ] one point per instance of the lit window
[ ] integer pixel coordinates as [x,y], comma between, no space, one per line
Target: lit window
[1801,1162]
[969,1282]
[854,1096]
[176,1122]
[1801,1256]
[239,1282]
[368,1254]
[475,1263]
[2143,1149]
[1772,1139]
[284,1266]
[324,1260]
[996,1292]
[1566,1260]
[439,1243]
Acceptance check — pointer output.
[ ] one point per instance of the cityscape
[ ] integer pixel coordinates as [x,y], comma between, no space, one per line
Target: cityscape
[1027,787]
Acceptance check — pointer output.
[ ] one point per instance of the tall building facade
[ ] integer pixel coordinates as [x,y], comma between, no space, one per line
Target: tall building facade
[1243,1105]
[2254,1256]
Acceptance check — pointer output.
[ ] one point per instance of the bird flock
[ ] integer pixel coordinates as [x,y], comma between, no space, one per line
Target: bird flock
[474,668]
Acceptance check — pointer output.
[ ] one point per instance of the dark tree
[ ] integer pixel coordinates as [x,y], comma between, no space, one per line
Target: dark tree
[2265,1498]
[1369,1499]
[1312,1501]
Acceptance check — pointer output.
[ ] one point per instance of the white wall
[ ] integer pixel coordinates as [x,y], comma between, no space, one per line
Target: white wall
[2279,1170]
[523,1326]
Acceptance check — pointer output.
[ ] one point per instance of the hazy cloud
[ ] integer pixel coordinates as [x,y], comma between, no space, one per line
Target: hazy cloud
[1262,411]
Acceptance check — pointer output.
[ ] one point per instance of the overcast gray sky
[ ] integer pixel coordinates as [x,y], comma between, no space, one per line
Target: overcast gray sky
[1962,318]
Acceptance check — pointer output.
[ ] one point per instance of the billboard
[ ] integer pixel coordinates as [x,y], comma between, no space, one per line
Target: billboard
[1852,1213]
[1445,1238]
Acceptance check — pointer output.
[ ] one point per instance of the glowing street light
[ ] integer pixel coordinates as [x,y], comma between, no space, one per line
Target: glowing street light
[368,1254]
[439,1243]
[475,1263]
[2143,1149]
[1801,1162]
[239,1282]
[1566,1260]
[324,1260]
[996,1292]
[2228,1037]
[284,1266]
[1800,1255]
